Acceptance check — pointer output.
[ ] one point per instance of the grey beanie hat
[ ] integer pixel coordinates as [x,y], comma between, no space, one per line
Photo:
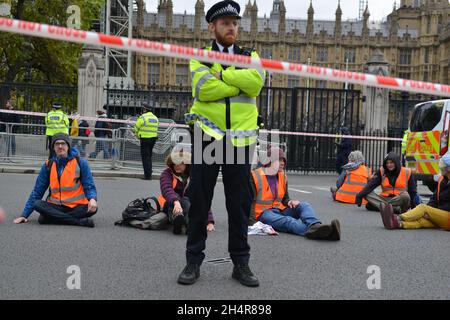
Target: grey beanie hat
[61,136]
[356,157]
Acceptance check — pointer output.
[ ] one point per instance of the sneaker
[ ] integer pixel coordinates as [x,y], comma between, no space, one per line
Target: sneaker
[245,276]
[336,231]
[178,223]
[318,231]
[190,274]
[387,215]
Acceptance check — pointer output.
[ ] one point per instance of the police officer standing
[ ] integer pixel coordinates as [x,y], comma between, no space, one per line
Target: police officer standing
[56,121]
[146,129]
[225,115]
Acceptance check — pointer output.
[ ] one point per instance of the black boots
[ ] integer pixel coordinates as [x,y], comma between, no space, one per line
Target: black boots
[320,231]
[336,231]
[244,275]
[190,274]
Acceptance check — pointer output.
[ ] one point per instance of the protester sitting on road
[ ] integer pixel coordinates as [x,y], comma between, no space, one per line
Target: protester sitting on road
[174,199]
[435,214]
[72,198]
[273,206]
[397,184]
[352,179]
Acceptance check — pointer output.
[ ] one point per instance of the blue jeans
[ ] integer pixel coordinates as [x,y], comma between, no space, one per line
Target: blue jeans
[101,145]
[296,221]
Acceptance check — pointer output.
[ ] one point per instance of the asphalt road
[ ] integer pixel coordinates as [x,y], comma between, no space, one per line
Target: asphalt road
[124,263]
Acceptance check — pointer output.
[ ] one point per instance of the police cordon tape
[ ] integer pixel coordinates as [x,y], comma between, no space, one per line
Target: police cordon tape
[183,126]
[182,52]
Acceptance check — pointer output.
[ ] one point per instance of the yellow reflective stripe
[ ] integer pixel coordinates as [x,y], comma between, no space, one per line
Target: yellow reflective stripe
[264,202]
[190,117]
[201,69]
[260,184]
[262,73]
[243,99]
[347,192]
[148,130]
[239,134]
[54,127]
[74,188]
[356,184]
[69,200]
[200,83]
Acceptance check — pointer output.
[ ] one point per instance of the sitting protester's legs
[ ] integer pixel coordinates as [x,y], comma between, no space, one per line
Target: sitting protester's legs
[421,223]
[57,214]
[79,212]
[283,222]
[185,205]
[374,200]
[402,202]
[424,216]
[179,220]
[306,214]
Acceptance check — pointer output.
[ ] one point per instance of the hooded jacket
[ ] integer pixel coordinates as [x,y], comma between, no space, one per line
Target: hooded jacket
[43,180]
[392,176]
[444,196]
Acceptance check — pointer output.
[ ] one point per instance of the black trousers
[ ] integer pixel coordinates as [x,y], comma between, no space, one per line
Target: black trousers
[48,146]
[185,205]
[147,145]
[238,194]
[55,214]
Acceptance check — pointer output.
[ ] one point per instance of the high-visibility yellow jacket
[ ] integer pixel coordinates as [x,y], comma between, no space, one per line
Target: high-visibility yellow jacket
[56,121]
[228,104]
[405,141]
[146,126]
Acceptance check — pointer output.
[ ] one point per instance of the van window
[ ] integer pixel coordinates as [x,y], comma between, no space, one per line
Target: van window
[426,117]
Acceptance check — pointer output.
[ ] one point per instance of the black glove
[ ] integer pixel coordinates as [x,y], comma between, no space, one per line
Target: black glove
[359,201]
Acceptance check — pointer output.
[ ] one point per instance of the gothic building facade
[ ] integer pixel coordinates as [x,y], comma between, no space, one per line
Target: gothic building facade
[414,38]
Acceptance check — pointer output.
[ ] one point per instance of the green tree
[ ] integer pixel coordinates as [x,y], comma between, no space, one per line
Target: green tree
[50,61]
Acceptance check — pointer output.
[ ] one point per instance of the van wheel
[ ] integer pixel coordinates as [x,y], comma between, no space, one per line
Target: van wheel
[432,185]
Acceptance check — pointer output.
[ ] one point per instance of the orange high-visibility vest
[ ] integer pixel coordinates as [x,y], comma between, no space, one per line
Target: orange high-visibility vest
[354,182]
[264,198]
[67,190]
[401,184]
[162,201]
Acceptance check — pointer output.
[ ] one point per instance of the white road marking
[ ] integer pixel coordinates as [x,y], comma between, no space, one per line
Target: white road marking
[322,188]
[301,191]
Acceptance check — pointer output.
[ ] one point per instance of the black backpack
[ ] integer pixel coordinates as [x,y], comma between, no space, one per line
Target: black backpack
[141,214]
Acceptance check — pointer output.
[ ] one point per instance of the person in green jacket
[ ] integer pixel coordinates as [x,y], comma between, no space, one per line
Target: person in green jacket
[404,146]
[224,117]
[146,129]
[56,121]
